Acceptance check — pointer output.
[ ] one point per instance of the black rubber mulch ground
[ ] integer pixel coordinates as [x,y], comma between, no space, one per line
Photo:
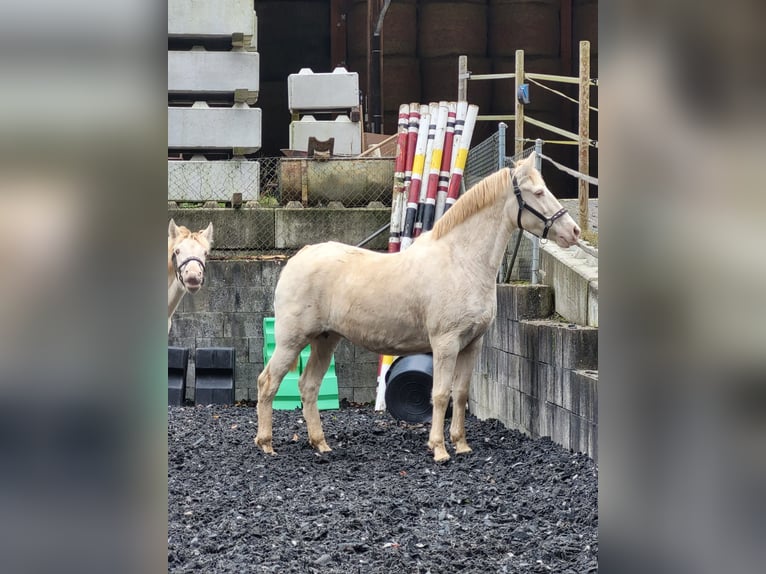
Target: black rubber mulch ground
[376,504]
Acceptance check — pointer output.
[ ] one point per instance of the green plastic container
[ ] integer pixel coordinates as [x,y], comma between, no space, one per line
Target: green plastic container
[288,396]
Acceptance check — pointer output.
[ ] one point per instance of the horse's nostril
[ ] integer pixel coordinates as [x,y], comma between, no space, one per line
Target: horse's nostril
[576,231]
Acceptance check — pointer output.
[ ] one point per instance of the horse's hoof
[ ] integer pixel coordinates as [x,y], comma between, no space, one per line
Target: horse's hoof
[440,454]
[265,445]
[322,447]
[463,449]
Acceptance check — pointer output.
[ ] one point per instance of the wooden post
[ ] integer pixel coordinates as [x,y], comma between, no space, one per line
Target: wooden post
[518,146]
[584,141]
[462,78]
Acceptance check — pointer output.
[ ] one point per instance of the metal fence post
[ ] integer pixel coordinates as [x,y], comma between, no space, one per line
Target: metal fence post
[535,263]
[501,127]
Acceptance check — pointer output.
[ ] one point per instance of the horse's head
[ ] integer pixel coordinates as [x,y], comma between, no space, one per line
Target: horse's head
[538,211]
[188,252]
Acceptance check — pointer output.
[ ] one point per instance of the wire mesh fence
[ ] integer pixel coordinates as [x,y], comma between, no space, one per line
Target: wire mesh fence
[280,204]
[276,181]
[484,159]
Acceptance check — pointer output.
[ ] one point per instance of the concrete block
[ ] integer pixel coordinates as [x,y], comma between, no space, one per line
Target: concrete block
[363,395]
[532,416]
[528,340]
[478,400]
[513,371]
[201,127]
[231,272]
[299,227]
[243,324]
[199,71]
[557,423]
[579,347]
[363,375]
[270,272]
[593,304]
[234,228]
[307,90]
[347,135]
[346,393]
[344,352]
[362,355]
[583,436]
[531,302]
[570,276]
[548,342]
[210,19]
[533,377]
[199,180]
[247,377]
[199,325]
[240,393]
[584,402]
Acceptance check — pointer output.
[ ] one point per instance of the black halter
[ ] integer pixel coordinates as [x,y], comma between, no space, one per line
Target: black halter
[179,268]
[523,205]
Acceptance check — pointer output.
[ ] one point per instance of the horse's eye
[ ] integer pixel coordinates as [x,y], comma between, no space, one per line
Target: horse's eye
[178,250]
[539,192]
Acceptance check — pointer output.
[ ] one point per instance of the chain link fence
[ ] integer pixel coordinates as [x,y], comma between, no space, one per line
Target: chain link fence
[279,204]
[484,159]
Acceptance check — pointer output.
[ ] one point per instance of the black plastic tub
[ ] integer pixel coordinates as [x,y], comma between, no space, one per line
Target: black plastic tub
[408,388]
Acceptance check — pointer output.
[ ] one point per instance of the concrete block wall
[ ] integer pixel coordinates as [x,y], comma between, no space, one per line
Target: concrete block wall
[538,375]
[228,312]
[198,77]
[269,229]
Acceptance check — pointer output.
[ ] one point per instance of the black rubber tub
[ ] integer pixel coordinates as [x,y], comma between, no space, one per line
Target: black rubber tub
[408,388]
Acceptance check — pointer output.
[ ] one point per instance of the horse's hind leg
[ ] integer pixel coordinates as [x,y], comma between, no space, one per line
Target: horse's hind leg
[462,380]
[283,360]
[321,354]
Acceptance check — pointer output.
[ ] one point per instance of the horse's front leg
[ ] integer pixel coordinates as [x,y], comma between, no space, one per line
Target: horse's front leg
[462,380]
[268,385]
[445,356]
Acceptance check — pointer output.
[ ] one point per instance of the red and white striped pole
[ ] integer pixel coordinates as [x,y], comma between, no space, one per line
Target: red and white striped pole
[433,111]
[429,208]
[446,167]
[462,112]
[398,198]
[417,177]
[462,155]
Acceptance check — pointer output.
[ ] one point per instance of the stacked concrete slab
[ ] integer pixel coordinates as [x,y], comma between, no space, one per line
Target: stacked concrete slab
[537,374]
[220,75]
[336,93]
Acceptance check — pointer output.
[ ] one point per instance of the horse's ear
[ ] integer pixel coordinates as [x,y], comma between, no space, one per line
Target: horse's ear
[207,233]
[172,229]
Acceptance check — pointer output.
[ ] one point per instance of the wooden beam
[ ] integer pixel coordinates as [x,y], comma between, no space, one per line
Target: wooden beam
[339,11]
[518,140]
[584,147]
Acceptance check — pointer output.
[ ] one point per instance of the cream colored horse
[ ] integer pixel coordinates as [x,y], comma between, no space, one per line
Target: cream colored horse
[187,253]
[439,295]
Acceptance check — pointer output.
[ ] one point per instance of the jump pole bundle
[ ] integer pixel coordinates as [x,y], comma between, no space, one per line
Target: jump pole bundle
[431,153]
